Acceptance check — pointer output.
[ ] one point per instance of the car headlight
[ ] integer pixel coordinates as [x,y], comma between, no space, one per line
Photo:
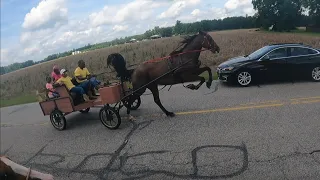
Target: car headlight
[228,69]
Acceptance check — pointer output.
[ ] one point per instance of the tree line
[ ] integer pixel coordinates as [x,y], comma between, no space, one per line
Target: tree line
[178,29]
[282,15]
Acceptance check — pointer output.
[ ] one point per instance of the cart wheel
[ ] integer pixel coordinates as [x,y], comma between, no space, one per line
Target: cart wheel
[110,117]
[58,120]
[85,110]
[135,105]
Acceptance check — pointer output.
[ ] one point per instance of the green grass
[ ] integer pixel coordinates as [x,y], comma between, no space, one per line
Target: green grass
[206,75]
[30,98]
[23,99]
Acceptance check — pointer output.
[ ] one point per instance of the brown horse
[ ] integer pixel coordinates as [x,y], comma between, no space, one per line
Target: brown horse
[180,67]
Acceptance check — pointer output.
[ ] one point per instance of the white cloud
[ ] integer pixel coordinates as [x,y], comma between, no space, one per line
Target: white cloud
[4,56]
[49,27]
[47,14]
[138,10]
[177,7]
[120,28]
[239,7]
[195,12]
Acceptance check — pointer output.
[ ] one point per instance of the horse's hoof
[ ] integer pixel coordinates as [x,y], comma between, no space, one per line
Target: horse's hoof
[170,114]
[131,118]
[209,84]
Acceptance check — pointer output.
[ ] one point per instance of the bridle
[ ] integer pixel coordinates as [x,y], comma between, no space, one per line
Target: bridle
[205,39]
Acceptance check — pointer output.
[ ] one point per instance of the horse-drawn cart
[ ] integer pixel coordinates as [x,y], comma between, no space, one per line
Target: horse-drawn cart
[111,100]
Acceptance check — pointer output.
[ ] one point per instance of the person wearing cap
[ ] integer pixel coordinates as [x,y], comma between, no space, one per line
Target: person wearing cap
[55,74]
[83,76]
[66,80]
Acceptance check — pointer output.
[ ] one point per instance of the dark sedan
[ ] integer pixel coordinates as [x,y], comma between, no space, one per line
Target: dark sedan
[276,61]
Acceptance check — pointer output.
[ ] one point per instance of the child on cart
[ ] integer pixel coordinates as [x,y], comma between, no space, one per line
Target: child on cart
[67,81]
[52,92]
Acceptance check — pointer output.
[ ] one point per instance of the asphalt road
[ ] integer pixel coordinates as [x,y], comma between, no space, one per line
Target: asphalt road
[266,132]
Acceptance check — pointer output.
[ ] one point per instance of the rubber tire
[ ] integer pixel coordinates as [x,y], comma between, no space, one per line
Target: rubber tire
[85,111]
[236,78]
[106,108]
[311,74]
[134,107]
[63,120]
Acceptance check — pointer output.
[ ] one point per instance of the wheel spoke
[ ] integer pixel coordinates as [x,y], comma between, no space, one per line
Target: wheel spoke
[316,73]
[244,78]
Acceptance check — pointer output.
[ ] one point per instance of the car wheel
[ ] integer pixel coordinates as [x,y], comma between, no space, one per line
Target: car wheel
[244,78]
[315,74]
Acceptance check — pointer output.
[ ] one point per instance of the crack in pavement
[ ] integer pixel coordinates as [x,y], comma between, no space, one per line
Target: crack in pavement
[120,161]
[287,156]
[113,167]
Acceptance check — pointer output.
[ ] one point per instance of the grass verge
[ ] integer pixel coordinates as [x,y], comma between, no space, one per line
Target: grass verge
[206,75]
[23,99]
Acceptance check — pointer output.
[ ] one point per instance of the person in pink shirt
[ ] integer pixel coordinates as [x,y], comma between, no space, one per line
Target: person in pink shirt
[55,74]
[52,93]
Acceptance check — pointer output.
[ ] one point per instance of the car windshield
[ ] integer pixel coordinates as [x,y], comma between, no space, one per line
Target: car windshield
[258,53]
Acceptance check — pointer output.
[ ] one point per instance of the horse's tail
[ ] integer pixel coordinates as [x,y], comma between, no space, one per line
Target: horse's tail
[119,64]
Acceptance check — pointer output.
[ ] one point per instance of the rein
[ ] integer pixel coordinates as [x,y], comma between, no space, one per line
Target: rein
[167,57]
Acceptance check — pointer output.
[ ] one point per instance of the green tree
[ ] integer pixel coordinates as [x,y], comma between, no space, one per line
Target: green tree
[282,14]
[314,11]
[177,28]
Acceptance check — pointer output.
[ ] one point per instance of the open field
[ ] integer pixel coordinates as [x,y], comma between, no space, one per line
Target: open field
[232,43]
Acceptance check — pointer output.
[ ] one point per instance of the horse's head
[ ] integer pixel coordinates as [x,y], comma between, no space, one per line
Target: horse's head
[118,62]
[209,43]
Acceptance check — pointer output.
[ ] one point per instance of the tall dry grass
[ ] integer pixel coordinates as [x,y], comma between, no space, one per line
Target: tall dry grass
[232,43]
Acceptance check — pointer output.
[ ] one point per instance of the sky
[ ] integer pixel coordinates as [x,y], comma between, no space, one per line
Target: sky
[34,29]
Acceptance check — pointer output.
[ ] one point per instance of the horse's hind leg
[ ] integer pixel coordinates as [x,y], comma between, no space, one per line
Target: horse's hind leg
[155,92]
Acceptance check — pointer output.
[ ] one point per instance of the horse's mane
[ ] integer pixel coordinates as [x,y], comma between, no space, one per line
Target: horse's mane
[185,41]
[119,64]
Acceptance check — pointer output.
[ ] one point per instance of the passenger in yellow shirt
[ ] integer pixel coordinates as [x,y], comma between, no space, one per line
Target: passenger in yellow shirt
[66,80]
[83,76]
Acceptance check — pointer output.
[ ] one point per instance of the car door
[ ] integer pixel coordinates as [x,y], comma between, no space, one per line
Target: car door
[301,60]
[274,64]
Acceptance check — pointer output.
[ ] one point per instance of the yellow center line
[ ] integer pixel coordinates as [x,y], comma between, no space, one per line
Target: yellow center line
[262,102]
[229,109]
[305,98]
[306,102]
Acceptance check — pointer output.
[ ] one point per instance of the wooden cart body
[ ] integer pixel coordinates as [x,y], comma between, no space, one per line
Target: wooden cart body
[64,104]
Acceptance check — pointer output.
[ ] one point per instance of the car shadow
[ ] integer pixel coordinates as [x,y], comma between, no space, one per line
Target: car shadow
[268,82]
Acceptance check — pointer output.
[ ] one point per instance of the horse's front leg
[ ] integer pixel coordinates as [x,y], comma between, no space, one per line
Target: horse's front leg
[191,75]
[209,82]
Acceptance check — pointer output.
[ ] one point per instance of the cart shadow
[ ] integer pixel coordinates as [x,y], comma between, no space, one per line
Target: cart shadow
[78,120]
